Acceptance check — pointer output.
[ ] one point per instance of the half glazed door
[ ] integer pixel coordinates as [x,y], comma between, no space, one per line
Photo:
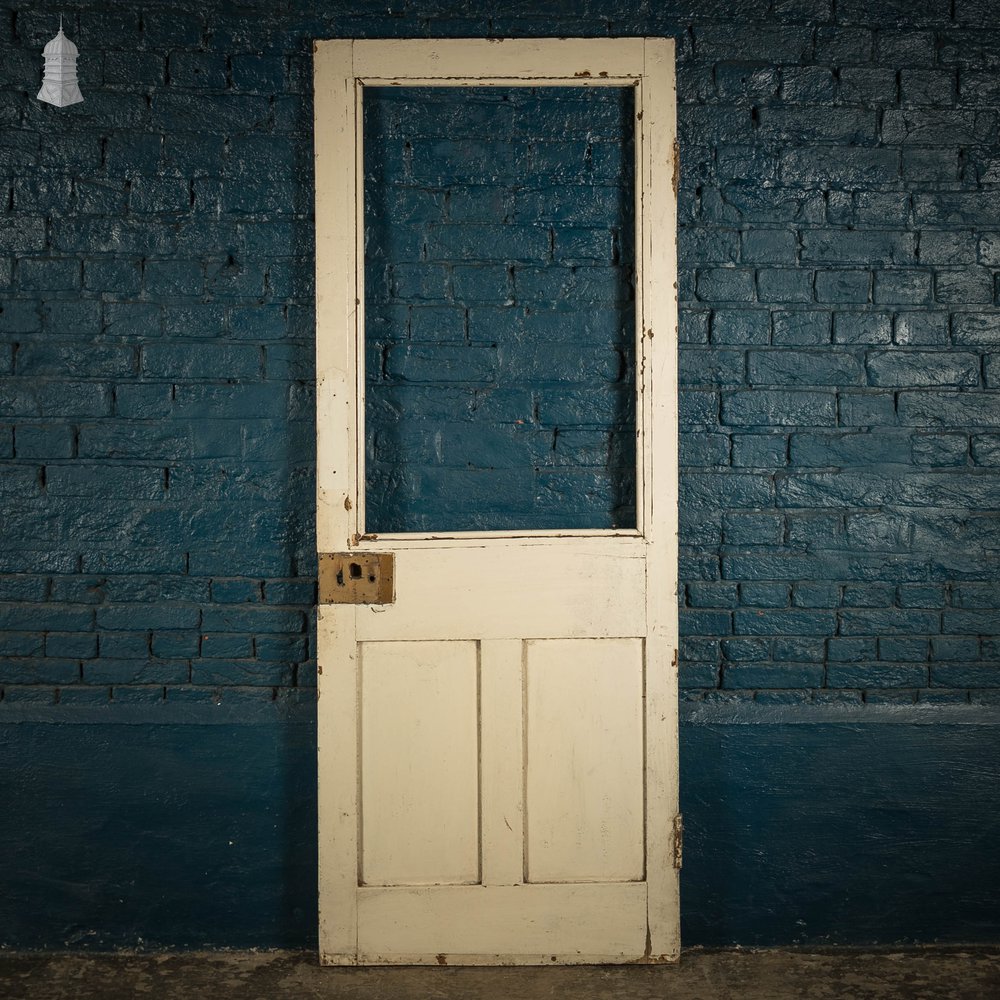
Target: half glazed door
[497,705]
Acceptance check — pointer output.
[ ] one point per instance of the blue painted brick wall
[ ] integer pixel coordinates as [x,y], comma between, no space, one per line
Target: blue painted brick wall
[155,381]
[839,242]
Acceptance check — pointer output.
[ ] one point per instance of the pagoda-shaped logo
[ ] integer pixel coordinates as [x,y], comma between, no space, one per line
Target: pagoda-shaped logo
[59,86]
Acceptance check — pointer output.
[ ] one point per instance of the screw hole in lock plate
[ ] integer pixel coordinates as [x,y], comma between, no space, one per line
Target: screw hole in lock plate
[356,578]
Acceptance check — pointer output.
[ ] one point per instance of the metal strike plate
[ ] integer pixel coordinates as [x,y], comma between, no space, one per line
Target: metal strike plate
[356,578]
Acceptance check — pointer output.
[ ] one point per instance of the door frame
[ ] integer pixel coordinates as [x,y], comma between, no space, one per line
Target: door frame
[342,68]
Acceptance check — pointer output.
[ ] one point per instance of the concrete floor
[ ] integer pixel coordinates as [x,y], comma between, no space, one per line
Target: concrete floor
[913,974]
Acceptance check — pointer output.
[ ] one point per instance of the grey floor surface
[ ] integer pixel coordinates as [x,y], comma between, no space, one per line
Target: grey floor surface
[917,974]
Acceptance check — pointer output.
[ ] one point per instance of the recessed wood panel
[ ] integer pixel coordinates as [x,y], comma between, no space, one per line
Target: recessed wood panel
[419,763]
[584,788]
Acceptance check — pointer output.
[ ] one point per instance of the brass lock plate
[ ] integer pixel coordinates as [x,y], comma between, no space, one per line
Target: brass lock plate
[356,578]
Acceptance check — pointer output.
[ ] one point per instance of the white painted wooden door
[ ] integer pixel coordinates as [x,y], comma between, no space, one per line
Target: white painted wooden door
[498,741]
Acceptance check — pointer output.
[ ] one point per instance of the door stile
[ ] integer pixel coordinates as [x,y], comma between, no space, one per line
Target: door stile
[336,296]
[338,813]
[658,261]
[336,484]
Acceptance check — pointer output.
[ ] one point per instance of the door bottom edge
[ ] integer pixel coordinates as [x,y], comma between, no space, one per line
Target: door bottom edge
[447,959]
[327,958]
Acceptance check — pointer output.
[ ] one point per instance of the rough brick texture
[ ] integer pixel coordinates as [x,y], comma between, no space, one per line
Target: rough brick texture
[840,399]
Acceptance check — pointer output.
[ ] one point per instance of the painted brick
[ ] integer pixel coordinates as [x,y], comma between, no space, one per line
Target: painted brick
[752,650]
[701,622]
[764,595]
[991,370]
[145,616]
[781,285]
[933,127]
[851,166]
[766,451]
[882,209]
[965,287]
[221,361]
[546,284]
[739,163]
[930,165]
[285,648]
[872,247]
[704,449]
[702,245]
[868,595]
[853,126]
[100,360]
[711,490]
[772,675]
[806,328]
[791,368]
[174,645]
[132,319]
[966,675]
[950,369]
[712,595]
[871,85]
[131,671]
[777,407]
[71,645]
[252,619]
[862,328]
[940,449]
[780,622]
[950,409]
[124,645]
[29,670]
[851,650]
[775,204]
[897,648]
[718,367]
[232,673]
[752,528]
[43,441]
[845,449]
[834,285]
[868,489]
[23,644]
[986,449]
[816,595]
[903,286]
[951,647]
[877,675]
[903,46]
[808,84]
[913,329]
[226,646]
[740,326]
[769,246]
[919,596]
[888,622]
[964,622]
